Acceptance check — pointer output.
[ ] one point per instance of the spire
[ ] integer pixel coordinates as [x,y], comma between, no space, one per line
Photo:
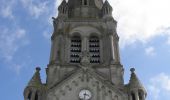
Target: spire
[33,85]
[134,81]
[107,5]
[107,9]
[63,9]
[35,80]
[63,4]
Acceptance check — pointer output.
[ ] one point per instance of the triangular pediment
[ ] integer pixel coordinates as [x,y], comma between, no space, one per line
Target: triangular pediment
[84,79]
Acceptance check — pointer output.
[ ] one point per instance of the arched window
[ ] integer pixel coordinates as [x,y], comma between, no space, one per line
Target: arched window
[85,2]
[133,96]
[29,96]
[36,96]
[140,95]
[63,10]
[116,97]
[94,49]
[75,49]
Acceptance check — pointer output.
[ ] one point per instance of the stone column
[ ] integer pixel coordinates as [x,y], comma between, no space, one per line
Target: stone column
[136,95]
[51,52]
[130,97]
[84,46]
[101,49]
[143,97]
[116,51]
[112,48]
[33,95]
[103,92]
[97,91]
[57,49]
[58,73]
[67,48]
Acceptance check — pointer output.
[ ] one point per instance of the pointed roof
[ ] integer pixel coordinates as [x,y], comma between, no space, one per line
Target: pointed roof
[86,74]
[35,80]
[134,81]
[107,4]
[63,4]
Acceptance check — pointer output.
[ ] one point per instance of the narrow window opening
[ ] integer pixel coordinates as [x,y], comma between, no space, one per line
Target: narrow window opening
[133,96]
[63,10]
[140,96]
[116,98]
[36,96]
[85,2]
[75,49]
[94,49]
[29,96]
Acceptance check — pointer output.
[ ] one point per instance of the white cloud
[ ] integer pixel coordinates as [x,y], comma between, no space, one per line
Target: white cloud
[35,9]
[141,20]
[154,91]
[159,85]
[47,35]
[168,42]
[46,8]
[7,12]
[150,51]
[11,41]
[58,2]
[53,12]
[17,68]
[7,8]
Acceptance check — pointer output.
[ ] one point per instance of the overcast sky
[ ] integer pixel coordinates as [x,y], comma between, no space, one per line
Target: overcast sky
[143,27]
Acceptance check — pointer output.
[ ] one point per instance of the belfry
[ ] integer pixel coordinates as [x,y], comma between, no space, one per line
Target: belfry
[84,61]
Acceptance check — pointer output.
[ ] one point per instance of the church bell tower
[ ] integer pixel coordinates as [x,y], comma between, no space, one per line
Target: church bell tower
[84,60]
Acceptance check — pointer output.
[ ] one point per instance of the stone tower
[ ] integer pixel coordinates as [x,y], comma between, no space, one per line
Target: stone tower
[84,61]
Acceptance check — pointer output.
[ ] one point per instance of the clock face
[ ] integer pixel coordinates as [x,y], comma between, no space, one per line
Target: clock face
[85,94]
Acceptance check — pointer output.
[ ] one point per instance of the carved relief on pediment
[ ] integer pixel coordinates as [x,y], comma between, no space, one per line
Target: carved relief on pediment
[70,88]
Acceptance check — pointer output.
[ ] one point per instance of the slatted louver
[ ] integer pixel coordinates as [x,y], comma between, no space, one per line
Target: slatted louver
[94,49]
[75,49]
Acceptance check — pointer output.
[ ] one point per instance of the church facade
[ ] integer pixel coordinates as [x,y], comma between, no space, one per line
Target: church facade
[84,60]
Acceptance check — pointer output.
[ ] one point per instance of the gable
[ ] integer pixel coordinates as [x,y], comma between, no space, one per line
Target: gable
[69,88]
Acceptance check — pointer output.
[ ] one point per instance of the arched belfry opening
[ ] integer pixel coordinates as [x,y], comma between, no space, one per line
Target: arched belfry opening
[75,49]
[116,97]
[133,96]
[36,96]
[140,95]
[84,2]
[94,49]
[29,96]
